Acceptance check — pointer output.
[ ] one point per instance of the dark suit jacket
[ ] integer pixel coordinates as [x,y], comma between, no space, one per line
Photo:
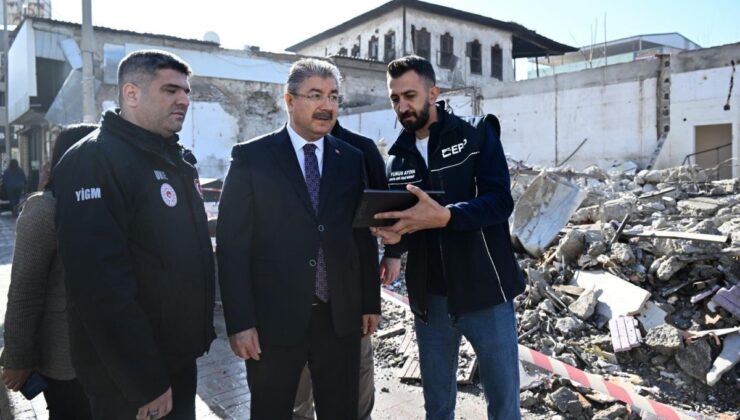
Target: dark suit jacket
[374,164]
[268,239]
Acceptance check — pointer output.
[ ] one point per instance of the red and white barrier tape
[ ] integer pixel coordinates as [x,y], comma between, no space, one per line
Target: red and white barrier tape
[588,380]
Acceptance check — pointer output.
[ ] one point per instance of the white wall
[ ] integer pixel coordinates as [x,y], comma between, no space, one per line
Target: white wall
[698,98]
[210,132]
[375,125]
[22,71]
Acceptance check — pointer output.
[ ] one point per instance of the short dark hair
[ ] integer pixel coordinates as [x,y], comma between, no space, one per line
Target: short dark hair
[146,63]
[69,135]
[421,66]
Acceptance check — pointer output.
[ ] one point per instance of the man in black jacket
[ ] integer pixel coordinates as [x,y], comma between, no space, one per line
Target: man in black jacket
[134,242]
[462,274]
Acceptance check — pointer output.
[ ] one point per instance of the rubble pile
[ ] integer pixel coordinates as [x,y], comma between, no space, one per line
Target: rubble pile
[631,275]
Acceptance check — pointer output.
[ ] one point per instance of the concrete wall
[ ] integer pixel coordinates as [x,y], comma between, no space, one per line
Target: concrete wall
[615,108]
[700,84]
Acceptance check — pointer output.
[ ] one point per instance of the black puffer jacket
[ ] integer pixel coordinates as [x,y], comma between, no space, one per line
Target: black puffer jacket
[138,261]
[478,267]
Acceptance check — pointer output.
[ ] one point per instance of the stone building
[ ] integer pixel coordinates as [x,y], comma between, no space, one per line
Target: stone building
[466,49]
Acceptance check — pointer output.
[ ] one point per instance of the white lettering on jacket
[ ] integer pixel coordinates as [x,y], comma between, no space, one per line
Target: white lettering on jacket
[160,175]
[454,149]
[403,175]
[85,194]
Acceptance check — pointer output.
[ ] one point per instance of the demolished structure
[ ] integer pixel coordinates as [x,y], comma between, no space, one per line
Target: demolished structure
[632,280]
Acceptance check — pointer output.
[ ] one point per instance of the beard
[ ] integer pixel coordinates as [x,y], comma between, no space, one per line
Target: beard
[421,118]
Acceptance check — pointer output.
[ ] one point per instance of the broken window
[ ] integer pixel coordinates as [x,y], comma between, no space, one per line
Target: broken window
[445,59]
[472,50]
[389,47]
[342,51]
[422,43]
[372,48]
[356,47]
[497,62]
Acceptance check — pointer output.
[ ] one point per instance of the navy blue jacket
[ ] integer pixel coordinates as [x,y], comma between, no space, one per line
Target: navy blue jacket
[478,265]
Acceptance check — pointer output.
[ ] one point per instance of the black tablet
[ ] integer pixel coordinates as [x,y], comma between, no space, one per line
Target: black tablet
[379,201]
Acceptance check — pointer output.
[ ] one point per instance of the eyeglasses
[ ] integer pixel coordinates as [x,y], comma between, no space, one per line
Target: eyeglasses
[317,98]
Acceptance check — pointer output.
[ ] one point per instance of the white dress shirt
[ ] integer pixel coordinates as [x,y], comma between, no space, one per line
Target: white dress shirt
[299,142]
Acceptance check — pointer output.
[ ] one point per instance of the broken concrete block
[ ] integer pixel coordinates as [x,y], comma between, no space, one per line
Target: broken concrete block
[597,248]
[622,254]
[665,339]
[571,246]
[653,177]
[529,320]
[568,325]
[726,360]
[651,316]
[625,334]
[699,207]
[729,299]
[616,209]
[695,359]
[668,267]
[543,210]
[562,398]
[615,296]
[568,289]
[584,306]
[614,412]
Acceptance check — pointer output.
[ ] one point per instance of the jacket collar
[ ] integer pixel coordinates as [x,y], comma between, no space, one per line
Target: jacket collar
[445,122]
[141,138]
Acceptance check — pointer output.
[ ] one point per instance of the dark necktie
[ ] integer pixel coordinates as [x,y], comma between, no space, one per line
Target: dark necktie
[313,182]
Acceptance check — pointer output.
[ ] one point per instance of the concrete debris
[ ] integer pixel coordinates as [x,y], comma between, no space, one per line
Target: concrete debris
[664,339]
[695,359]
[729,299]
[584,306]
[616,296]
[542,211]
[614,412]
[658,250]
[726,360]
[571,246]
[651,316]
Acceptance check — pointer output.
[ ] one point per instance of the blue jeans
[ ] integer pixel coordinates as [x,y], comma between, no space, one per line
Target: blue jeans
[492,332]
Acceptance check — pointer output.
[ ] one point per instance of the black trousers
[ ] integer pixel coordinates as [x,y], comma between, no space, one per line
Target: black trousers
[334,363]
[183,382]
[65,400]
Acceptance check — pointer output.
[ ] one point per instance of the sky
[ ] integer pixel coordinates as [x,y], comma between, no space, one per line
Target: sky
[274,25]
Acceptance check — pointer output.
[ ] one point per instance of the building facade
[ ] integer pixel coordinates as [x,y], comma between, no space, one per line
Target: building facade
[465,49]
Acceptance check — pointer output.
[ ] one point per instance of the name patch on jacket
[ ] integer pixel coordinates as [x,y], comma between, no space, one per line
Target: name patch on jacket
[85,194]
[402,175]
[454,149]
[160,175]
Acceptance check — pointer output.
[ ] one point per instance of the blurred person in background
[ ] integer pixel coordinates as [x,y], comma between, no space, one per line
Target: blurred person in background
[36,331]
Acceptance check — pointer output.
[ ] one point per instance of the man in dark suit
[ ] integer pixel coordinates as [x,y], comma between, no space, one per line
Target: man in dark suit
[299,285]
[376,179]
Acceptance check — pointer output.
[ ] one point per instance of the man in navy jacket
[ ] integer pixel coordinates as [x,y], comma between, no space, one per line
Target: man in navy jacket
[462,274]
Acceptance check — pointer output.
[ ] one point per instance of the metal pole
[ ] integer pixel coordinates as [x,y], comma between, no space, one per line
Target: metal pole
[88,80]
[7,85]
